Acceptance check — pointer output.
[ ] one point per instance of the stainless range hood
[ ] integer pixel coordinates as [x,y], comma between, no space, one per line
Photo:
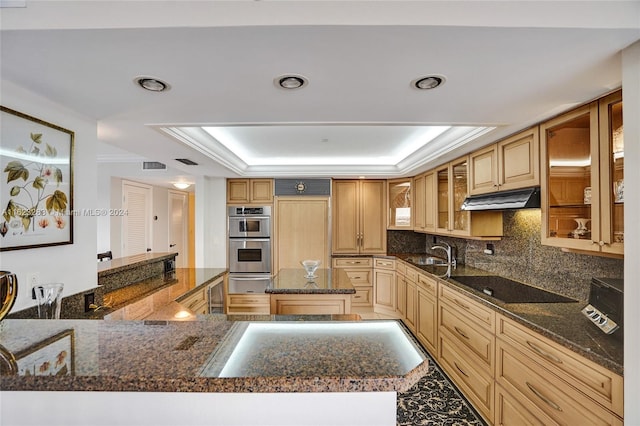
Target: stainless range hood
[528,198]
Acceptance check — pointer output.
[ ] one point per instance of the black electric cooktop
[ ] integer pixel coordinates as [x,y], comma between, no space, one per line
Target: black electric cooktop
[510,291]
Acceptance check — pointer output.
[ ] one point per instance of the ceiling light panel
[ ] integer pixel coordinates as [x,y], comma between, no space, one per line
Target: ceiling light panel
[260,145]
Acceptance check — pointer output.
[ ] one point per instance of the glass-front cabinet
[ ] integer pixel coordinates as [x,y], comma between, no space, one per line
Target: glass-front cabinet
[453,189]
[400,202]
[583,178]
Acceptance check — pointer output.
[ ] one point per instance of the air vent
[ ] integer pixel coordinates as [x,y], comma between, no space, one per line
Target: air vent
[303,187]
[187,161]
[153,165]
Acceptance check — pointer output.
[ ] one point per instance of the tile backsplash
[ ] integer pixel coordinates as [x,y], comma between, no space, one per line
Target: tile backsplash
[521,256]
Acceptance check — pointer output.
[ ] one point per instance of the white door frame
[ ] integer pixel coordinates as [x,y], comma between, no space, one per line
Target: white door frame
[182,261]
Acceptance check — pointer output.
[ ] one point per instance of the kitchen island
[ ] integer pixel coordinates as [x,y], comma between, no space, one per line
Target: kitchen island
[329,292]
[353,380]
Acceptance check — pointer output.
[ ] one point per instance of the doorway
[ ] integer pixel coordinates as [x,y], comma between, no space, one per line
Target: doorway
[178,227]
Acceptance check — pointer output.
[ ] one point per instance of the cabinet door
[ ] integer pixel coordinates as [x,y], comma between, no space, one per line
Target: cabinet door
[401,295]
[373,218]
[612,174]
[427,320]
[419,203]
[430,208]
[442,199]
[401,206]
[346,218]
[238,191]
[384,291]
[261,191]
[483,171]
[459,174]
[569,148]
[411,302]
[519,160]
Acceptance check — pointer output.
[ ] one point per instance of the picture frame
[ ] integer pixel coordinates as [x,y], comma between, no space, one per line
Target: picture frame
[36,186]
[54,356]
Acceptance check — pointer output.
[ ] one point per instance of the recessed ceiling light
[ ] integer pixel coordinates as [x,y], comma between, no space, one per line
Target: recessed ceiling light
[290,81]
[428,82]
[152,84]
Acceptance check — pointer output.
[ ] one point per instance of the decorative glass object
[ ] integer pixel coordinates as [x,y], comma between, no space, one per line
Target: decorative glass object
[310,267]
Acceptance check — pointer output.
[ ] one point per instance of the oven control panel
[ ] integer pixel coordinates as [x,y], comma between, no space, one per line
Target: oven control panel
[601,320]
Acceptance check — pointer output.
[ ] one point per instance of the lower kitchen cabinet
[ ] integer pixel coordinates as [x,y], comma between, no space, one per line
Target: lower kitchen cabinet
[427,313]
[546,377]
[248,304]
[411,299]
[384,286]
[360,272]
[310,304]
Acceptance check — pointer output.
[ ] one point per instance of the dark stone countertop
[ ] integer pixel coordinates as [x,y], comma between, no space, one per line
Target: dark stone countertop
[327,281]
[171,356]
[123,263]
[563,323]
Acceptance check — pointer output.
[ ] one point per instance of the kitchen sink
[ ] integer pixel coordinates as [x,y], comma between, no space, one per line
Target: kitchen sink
[510,291]
[427,260]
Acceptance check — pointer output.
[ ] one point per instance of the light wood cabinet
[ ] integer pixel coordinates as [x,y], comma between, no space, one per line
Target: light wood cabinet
[599,385]
[301,231]
[249,191]
[419,203]
[360,272]
[400,204]
[425,202]
[401,290]
[384,286]
[196,302]
[248,304]
[359,217]
[310,304]
[452,188]
[466,345]
[427,313]
[582,178]
[509,164]
[411,303]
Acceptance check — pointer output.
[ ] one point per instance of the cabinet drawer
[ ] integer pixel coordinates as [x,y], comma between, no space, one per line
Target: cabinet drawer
[401,268]
[384,264]
[595,381]
[249,299]
[528,381]
[511,412]
[362,296]
[479,342]
[359,277]
[428,285]
[351,262]
[412,275]
[476,383]
[480,315]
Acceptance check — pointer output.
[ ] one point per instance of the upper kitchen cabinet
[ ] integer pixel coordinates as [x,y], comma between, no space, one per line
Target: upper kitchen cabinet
[400,204]
[583,178]
[359,216]
[424,192]
[452,186]
[509,164]
[249,191]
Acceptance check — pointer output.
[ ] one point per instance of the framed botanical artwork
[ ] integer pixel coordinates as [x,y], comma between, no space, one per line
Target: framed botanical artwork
[36,187]
[53,356]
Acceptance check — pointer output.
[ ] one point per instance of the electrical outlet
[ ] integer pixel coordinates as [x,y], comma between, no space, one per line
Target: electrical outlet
[33,279]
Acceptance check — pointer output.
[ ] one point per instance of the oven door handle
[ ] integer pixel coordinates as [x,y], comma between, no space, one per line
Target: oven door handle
[249,239]
[249,278]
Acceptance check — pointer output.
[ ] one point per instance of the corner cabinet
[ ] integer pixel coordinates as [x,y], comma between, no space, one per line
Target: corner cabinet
[583,178]
[509,164]
[249,191]
[359,217]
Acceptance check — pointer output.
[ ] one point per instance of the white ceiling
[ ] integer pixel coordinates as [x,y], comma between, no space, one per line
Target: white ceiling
[508,64]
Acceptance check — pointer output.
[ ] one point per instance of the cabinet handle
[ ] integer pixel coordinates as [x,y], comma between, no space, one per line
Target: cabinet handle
[460,332]
[460,369]
[462,305]
[544,354]
[543,398]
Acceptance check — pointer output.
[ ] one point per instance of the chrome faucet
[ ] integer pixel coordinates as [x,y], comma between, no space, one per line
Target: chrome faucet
[451,260]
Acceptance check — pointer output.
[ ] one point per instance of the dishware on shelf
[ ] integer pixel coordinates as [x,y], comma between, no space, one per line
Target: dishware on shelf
[581,231]
[310,266]
[618,190]
[49,297]
[8,292]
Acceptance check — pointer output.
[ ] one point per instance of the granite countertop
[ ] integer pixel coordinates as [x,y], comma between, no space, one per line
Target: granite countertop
[563,323]
[122,263]
[170,356]
[327,281]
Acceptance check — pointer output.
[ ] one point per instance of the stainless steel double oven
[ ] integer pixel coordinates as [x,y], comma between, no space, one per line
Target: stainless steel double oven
[249,248]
